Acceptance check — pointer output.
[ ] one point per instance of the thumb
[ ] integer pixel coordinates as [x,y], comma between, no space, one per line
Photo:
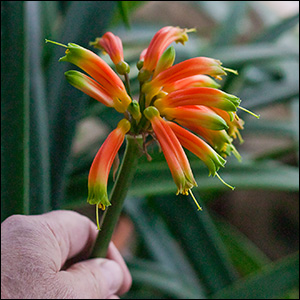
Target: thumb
[97,278]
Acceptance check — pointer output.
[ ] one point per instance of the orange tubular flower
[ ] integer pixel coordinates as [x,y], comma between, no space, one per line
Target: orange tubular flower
[100,71]
[112,45]
[191,81]
[187,68]
[174,154]
[199,96]
[91,88]
[161,40]
[99,171]
[233,121]
[200,148]
[196,114]
[218,139]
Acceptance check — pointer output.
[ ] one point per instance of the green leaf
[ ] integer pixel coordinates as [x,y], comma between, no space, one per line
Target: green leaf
[273,282]
[274,32]
[162,247]
[229,29]
[263,127]
[246,257]
[84,21]
[14,111]
[123,9]
[241,55]
[269,93]
[247,175]
[160,280]
[39,132]
[197,235]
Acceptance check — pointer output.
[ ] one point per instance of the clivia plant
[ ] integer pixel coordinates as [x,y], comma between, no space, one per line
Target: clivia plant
[179,106]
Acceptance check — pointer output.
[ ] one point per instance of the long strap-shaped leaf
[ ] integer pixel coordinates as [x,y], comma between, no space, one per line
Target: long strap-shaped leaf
[196,233]
[14,111]
[39,132]
[272,33]
[160,245]
[84,21]
[273,282]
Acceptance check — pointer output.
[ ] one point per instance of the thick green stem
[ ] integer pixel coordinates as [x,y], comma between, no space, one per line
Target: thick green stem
[118,195]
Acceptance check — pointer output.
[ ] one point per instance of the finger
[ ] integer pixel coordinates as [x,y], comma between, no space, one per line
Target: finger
[75,234]
[94,278]
[114,254]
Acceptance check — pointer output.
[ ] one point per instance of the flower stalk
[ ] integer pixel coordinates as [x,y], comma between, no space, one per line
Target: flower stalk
[118,194]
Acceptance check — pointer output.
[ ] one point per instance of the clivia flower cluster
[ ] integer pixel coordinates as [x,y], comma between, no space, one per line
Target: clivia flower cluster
[180,106]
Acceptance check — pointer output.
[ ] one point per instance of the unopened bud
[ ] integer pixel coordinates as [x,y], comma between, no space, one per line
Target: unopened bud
[122,67]
[144,75]
[125,125]
[151,112]
[134,109]
[140,64]
[165,61]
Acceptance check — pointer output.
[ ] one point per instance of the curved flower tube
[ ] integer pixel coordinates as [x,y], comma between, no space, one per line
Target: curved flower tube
[187,68]
[218,139]
[99,171]
[97,68]
[195,114]
[199,96]
[233,121]
[200,148]
[92,89]
[112,45]
[191,81]
[161,40]
[173,152]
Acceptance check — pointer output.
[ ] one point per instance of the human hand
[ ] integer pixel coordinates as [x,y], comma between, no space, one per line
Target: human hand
[45,256]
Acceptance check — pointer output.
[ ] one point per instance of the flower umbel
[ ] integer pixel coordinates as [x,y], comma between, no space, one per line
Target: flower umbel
[180,106]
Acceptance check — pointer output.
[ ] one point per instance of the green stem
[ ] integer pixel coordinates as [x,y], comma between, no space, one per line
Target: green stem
[127,84]
[118,195]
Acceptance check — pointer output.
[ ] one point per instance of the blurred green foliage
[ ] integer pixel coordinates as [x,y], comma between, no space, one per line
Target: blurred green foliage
[179,253]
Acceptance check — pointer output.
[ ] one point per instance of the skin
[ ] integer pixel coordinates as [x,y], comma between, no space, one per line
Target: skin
[46,257]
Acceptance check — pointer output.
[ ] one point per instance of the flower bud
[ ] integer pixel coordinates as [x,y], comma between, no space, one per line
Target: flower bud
[165,61]
[134,109]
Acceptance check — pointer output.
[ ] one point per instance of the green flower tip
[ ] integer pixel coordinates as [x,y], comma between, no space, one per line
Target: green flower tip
[184,37]
[96,44]
[235,100]
[77,79]
[97,195]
